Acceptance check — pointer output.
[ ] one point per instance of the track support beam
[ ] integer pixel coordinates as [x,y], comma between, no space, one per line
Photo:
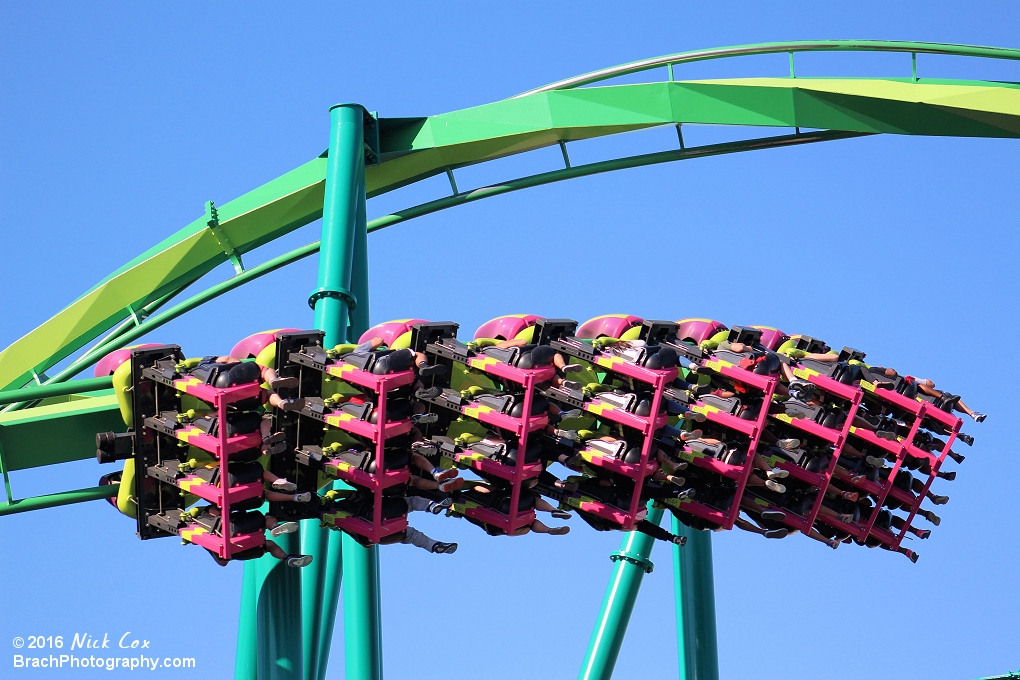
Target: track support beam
[694,590]
[632,564]
[343,267]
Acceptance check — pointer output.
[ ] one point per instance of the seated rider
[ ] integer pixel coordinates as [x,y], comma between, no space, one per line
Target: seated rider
[926,387]
[417,360]
[360,504]
[271,380]
[498,498]
[246,523]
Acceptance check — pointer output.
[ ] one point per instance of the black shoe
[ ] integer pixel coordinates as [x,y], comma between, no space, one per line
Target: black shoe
[966,439]
[924,533]
[424,418]
[430,370]
[913,557]
[939,500]
[679,540]
[436,507]
[774,515]
[948,476]
[930,516]
[777,533]
[444,548]
[425,448]
[428,392]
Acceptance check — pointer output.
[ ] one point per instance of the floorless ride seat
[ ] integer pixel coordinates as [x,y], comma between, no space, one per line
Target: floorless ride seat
[381,362]
[526,357]
[225,375]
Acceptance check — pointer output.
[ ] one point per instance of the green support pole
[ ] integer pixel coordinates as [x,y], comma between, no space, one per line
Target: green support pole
[342,301]
[337,546]
[268,635]
[694,589]
[632,564]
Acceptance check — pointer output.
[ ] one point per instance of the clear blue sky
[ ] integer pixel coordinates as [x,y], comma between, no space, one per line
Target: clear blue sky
[117,121]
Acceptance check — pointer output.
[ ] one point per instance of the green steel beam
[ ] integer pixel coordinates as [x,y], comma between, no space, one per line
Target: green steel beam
[694,591]
[416,148]
[57,433]
[333,302]
[55,390]
[54,500]
[632,563]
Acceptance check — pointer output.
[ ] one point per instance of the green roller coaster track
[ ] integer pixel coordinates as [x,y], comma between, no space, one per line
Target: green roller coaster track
[134,299]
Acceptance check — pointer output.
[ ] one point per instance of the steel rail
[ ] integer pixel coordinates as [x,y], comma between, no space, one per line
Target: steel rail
[779,48]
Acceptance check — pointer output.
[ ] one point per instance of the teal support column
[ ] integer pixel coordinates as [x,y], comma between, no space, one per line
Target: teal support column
[694,589]
[362,615]
[268,633]
[632,564]
[342,261]
[361,595]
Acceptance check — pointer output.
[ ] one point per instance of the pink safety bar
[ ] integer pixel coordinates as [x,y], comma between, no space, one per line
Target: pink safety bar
[214,493]
[374,531]
[225,549]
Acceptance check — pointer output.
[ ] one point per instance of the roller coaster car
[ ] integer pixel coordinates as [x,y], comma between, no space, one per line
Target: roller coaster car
[375,417]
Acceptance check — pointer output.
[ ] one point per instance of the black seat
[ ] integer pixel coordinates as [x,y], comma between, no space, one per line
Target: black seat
[226,375]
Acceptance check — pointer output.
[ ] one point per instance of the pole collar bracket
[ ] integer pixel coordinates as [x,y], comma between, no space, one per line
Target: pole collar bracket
[636,560]
[343,295]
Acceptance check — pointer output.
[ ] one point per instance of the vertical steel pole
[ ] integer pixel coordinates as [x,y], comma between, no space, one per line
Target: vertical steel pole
[268,635]
[694,590]
[632,564]
[342,260]
[362,614]
[362,570]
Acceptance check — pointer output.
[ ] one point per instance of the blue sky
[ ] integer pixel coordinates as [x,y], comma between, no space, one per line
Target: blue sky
[118,121]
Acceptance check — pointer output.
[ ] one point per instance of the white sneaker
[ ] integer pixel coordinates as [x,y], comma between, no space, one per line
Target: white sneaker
[284,485]
[775,486]
[777,473]
[302,497]
[283,528]
[788,444]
